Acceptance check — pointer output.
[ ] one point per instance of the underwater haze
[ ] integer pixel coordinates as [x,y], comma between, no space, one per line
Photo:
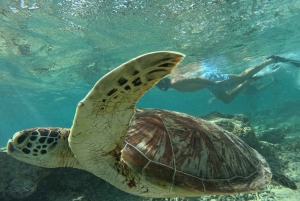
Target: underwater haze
[53,51]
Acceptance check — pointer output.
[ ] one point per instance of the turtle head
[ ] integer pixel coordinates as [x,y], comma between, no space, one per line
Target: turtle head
[45,147]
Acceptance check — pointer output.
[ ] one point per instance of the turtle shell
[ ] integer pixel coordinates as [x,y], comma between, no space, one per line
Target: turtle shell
[181,155]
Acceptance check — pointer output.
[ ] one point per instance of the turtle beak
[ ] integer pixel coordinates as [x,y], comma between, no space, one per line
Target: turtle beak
[14,151]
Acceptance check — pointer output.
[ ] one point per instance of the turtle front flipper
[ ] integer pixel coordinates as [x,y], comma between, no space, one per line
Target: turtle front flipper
[103,116]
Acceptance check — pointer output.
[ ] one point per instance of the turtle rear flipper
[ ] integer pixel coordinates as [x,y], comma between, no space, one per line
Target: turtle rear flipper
[283,180]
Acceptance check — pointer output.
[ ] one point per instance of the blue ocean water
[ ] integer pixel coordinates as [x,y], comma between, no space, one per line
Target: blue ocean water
[52,52]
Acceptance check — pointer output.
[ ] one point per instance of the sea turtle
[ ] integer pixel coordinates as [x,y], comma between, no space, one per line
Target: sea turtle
[146,152]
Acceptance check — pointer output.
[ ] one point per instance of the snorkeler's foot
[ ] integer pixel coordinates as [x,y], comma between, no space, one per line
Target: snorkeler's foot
[294,62]
[283,59]
[271,70]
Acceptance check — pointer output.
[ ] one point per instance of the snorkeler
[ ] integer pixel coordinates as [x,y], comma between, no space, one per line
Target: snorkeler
[224,86]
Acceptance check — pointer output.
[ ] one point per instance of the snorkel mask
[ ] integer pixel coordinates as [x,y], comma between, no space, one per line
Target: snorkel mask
[163,84]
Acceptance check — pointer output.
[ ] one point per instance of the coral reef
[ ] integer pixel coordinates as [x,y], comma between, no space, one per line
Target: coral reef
[237,124]
[19,180]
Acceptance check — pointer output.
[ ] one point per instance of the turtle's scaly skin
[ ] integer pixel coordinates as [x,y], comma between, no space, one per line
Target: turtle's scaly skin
[149,152]
[45,147]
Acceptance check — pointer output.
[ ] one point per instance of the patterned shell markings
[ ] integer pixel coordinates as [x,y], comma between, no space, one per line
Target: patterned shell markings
[192,154]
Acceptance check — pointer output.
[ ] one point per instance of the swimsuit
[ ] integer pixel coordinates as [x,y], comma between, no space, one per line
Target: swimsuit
[214,76]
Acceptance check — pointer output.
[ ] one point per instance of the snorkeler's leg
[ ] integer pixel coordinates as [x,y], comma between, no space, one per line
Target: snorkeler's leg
[228,97]
[249,72]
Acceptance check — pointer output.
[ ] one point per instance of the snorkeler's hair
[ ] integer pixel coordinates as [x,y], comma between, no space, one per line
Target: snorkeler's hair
[163,84]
